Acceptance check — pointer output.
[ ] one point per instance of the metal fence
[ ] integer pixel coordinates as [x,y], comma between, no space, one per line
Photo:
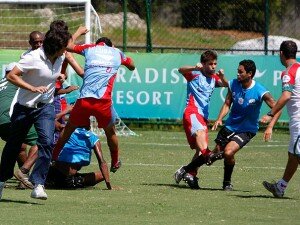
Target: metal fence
[194,25]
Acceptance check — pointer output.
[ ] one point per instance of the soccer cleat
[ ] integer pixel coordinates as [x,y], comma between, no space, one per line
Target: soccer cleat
[227,186]
[115,167]
[39,192]
[23,178]
[214,156]
[179,174]
[191,180]
[272,187]
[2,185]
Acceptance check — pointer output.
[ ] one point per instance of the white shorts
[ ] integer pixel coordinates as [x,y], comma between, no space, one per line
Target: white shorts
[294,146]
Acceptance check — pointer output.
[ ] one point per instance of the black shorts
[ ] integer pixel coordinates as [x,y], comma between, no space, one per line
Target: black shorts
[56,179]
[225,136]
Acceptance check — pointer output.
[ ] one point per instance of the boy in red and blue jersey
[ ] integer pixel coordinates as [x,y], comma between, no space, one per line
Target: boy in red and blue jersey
[201,82]
[102,62]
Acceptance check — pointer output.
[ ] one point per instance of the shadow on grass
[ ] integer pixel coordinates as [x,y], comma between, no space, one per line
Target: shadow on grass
[182,186]
[19,202]
[260,196]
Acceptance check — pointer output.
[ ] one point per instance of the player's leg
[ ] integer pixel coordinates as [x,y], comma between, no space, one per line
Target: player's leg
[197,133]
[90,179]
[79,117]
[229,162]
[113,144]
[22,155]
[22,174]
[237,141]
[278,188]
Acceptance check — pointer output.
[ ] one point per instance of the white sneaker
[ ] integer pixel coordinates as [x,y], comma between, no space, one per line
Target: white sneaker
[2,184]
[39,192]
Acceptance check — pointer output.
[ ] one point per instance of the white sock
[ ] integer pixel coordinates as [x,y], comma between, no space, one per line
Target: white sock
[281,185]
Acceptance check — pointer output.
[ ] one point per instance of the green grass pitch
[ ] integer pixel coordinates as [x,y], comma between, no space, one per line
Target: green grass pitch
[145,192]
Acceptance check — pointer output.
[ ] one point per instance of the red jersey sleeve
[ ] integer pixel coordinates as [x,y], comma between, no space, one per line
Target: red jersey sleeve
[125,60]
[79,48]
[218,81]
[189,76]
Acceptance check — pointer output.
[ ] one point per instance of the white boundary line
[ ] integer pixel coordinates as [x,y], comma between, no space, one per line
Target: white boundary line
[177,166]
[185,145]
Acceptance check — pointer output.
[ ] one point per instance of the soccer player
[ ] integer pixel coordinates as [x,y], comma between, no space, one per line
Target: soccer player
[244,100]
[290,97]
[35,74]
[76,154]
[102,61]
[201,82]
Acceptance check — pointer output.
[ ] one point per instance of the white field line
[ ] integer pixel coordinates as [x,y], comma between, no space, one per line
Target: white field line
[184,145]
[177,166]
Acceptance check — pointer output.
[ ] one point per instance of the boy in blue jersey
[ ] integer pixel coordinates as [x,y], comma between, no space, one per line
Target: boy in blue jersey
[75,154]
[244,100]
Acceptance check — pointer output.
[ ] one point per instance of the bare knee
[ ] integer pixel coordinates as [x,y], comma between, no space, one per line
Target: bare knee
[229,155]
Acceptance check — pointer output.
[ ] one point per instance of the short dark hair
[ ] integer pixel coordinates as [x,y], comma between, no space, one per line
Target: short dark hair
[289,49]
[249,66]
[33,34]
[106,40]
[59,25]
[54,41]
[208,55]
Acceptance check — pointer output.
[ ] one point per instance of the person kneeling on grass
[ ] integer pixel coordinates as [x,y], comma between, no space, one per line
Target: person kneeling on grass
[76,153]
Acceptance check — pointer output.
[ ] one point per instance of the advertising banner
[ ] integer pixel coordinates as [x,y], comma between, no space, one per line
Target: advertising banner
[156,90]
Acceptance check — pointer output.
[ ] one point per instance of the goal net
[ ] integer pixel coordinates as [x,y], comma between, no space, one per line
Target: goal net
[121,128]
[20,17]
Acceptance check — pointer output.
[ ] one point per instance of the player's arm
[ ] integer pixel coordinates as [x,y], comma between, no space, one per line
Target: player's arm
[270,101]
[67,90]
[102,164]
[224,110]
[224,81]
[14,76]
[127,61]
[187,69]
[75,65]
[80,31]
[64,112]
[284,98]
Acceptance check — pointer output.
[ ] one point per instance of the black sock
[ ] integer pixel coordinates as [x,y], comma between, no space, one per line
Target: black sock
[24,170]
[228,169]
[199,161]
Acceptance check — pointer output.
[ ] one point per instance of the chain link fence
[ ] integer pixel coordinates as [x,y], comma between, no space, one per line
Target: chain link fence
[194,25]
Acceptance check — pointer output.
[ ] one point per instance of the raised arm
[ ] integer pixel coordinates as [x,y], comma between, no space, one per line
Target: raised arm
[224,81]
[186,69]
[80,31]
[75,65]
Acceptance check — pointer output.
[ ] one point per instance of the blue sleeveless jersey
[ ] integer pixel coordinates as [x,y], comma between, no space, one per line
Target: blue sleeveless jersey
[245,108]
[79,147]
